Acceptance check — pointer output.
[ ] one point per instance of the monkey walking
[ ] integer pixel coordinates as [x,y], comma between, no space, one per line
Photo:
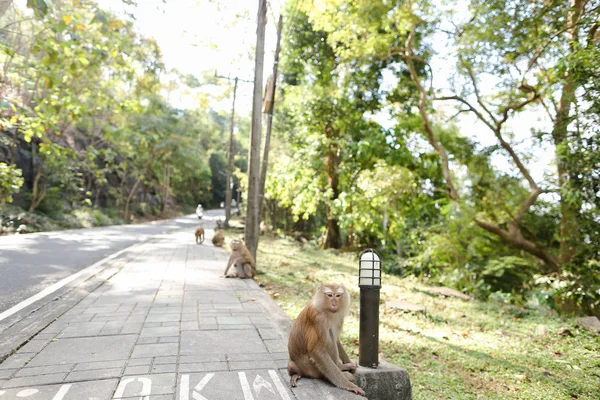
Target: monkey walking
[199,235]
[240,256]
[314,344]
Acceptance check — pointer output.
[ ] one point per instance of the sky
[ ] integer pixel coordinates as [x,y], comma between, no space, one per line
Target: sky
[199,37]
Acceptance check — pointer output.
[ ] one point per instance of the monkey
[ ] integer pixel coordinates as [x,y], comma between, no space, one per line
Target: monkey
[218,239]
[314,346]
[219,223]
[199,235]
[242,259]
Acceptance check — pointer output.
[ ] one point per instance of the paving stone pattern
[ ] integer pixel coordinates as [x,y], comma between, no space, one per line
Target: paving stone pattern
[167,326]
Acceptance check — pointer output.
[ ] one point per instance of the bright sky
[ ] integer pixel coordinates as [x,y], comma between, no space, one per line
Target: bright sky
[198,36]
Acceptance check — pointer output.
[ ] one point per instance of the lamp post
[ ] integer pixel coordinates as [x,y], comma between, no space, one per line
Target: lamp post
[369,281]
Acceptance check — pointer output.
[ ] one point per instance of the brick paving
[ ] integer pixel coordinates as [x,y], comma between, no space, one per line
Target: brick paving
[167,326]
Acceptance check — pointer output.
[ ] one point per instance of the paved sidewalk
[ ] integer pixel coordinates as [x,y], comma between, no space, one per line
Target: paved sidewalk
[165,327]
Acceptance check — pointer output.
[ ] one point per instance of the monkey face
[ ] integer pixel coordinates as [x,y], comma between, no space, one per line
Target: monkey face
[235,244]
[333,298]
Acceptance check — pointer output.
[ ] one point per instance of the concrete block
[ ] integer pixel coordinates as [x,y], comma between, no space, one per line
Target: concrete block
[386,382]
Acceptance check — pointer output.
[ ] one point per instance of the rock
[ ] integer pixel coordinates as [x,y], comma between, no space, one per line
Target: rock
[386,382]
[405,306]
[589,323]
[448,292]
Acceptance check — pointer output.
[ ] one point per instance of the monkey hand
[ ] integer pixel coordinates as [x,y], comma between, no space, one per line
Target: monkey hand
[356,390]
[348,367]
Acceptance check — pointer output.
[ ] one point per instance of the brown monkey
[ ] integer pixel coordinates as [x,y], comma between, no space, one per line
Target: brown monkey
[199,235]
[240,256]
[218,239]
[314,345]
[219,223]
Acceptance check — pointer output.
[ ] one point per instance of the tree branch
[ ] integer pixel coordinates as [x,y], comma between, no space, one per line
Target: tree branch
[409,57]
[471,108]
[515,238]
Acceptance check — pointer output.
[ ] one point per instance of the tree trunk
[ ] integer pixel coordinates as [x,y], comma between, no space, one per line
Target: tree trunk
[332,160]
[252,227]
[569,229]
[135,186]
[268,109]
[230,159]
[166,188]
[36,195]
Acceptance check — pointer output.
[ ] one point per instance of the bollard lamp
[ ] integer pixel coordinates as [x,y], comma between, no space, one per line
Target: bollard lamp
[369,282]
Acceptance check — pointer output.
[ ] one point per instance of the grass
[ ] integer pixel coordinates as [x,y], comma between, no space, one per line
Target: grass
[456,349]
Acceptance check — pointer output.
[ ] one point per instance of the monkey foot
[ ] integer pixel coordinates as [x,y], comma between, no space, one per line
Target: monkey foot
[294,379]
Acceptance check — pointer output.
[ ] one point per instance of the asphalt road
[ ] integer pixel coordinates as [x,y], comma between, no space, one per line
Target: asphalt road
[30,263]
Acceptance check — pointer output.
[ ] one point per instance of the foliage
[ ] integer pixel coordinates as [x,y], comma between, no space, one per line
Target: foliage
[86,116]
[10,182]
[510,229]
[456,349]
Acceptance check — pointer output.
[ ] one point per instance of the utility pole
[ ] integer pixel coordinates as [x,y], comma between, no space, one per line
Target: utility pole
[253,212]
[230,149]
[230,158]
[269,105]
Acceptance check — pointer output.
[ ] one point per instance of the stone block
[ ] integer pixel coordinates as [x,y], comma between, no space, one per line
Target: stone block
[386,382]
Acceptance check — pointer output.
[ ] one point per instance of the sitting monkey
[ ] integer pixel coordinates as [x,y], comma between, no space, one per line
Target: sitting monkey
[218,239]
[240,256]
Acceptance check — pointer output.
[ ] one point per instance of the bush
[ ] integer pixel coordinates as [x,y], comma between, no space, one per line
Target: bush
[10,182]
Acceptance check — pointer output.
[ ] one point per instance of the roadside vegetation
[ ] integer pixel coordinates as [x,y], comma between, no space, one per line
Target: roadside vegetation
[88,134]
[455,349]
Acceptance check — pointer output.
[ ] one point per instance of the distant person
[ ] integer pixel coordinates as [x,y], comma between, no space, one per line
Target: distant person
[233,203]
[222,204]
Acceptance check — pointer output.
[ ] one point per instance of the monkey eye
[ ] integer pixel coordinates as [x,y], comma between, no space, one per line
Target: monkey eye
[338,295]
[329,294]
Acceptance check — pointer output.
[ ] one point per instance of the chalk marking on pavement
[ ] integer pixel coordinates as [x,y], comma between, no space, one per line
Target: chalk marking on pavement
[184,388]
[144,394]
[200,386]
[260,383]
[279,385]
[245,386]
[57,285]
[27,392]
[61,392]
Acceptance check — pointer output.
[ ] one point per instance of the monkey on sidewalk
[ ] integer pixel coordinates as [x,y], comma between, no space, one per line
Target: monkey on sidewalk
[314,343]
[240,256]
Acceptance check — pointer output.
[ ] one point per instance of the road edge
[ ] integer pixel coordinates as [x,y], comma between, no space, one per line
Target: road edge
[31,319]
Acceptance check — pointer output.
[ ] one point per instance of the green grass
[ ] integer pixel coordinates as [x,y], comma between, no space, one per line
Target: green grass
[455,350]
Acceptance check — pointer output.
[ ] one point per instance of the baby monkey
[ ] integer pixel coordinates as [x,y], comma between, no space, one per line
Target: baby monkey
[240,256]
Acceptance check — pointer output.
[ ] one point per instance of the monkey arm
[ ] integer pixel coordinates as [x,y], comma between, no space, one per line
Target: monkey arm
[229,264]
[343,355]
[331,371]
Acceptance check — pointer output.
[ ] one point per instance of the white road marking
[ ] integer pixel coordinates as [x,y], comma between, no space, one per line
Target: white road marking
[61,392]
[279,385]
[144,394]
[56,286]
[200,386]
[245,386]
[184,388]
[260,383]
[27,392]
